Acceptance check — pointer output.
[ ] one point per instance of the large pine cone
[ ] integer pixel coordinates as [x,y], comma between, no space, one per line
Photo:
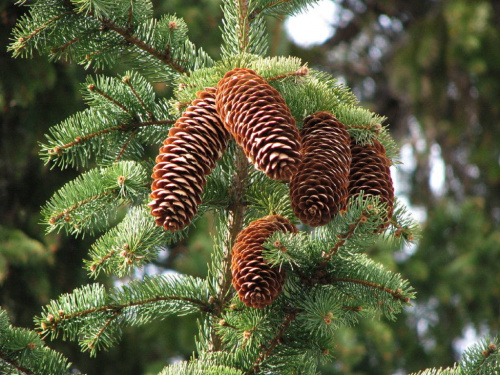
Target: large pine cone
[194,144]
[255,281]
[319,188]
[260,122]
[370,172]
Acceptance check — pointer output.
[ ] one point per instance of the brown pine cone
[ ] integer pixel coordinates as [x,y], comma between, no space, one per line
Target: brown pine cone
[319,188]
[260,122]
[370,173]
[194,144]
[255,281]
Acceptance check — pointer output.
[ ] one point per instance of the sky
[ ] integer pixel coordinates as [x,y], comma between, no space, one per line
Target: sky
[313,26]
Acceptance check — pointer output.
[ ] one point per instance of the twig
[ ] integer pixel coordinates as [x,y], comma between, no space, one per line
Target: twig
[300,72]
[289,318]
[397,294]
[236,215]
[123,127]
[51,322]
[93,88]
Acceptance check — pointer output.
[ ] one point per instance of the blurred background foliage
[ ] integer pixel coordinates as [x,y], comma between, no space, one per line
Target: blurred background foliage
[431,66]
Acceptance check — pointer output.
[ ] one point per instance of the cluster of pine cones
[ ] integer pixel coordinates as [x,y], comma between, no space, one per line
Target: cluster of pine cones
[322,163]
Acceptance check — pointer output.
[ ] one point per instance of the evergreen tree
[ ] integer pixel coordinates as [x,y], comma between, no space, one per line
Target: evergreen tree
[230,147]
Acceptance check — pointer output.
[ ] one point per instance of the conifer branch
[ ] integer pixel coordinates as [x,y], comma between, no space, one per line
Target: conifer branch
[122,127]
[21,42]
[127,34]
[13,364]
[300,72]
[93,88]
[126,79]
[51,322]
[237,211]
[397,294]
[342,238]
[56,216]
[125,145]
[266,352]
[244,24]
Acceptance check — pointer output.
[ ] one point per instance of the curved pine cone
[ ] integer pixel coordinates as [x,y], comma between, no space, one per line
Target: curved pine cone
[194,144]
[319,188]
[370,173]
[260,122]
[255,281]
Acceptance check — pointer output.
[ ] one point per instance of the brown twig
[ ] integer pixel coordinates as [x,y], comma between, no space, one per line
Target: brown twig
[93,88]
[397,294]
[66,212]
[300,72]
[289,318]
[130,38]
[123,127]
[125,145]
[237,211]
[244,24]
[51,321]
[126,80]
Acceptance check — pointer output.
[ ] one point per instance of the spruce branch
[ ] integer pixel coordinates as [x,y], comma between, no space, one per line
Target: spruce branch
[283,7]
[23,352]
[135,241]
[91,200]
[91,32]
[95,317]
[267,349]
[93,88]
[124,117]
[165,56]
[127,81]
[396,294]
[235,223]
[300,72]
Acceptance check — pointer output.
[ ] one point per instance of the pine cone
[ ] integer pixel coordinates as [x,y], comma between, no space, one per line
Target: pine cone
[260,122]
[194,144]
[319,188]
[255,281]
[370,173]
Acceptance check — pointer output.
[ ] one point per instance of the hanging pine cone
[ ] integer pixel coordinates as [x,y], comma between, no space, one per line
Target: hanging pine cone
[319,188]
[260,122]
[370,173]
[255,281]
[194,144]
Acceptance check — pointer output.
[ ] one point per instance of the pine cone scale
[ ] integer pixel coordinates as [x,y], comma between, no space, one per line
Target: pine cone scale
[319,188]
[194,145]
[253,111]
[371,174]
[257,284]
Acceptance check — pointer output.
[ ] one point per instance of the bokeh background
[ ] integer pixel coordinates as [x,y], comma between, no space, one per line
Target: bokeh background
[432,67]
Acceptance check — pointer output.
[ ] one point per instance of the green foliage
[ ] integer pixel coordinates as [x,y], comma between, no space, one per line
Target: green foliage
[95,317]
[482,358]
[101,33]
[22,351]
[93,198]
[331,281]
[124,117]
[135,241]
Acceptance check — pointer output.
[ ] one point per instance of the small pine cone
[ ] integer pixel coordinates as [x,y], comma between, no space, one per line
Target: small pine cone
[255,281]
[260,122]
[319,188]
[194,144]
[370,172]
